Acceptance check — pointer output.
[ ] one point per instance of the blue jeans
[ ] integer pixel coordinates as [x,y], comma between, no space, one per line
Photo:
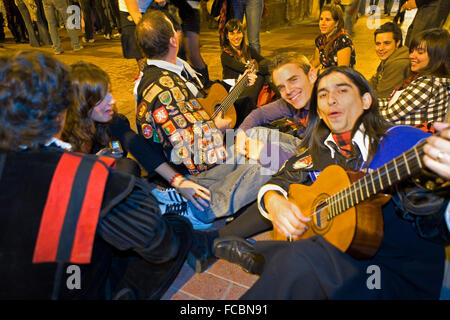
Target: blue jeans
[44,36]
[253,10]
[50,7]
[236,183]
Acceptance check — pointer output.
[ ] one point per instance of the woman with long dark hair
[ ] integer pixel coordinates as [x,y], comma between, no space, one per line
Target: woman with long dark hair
[424,97]
[236,55]
[93,125]
[334,47]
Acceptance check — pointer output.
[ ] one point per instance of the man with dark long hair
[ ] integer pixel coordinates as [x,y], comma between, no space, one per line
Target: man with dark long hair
[346,129]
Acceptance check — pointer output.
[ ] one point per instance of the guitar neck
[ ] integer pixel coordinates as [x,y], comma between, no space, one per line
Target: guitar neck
[400,168]
[232,96]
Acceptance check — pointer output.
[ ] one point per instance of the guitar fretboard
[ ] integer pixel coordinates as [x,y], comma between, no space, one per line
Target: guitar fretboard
[232,96]
[401,167]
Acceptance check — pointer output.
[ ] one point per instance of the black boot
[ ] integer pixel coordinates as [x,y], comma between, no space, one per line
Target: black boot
[201,254]
[241,252]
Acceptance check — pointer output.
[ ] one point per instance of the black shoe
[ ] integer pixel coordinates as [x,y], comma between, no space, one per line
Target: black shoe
[239,251]
[201,255]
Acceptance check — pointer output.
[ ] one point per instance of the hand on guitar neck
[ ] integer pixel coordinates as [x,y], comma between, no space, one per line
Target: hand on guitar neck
[251,76]
[219,103]
[437,151]
[223,122]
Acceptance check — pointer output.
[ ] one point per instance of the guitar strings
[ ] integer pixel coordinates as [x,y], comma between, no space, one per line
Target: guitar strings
[341,194]
[229,98]
[232,95]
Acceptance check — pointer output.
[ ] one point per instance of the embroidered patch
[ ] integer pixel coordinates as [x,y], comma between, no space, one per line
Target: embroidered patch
[204,114]
[169,128]
[217,138]
[182,107]
[197,130]
[205,129]
[180,121]
[195,104]
[305,162]
[156,137]
[197,116]
[175,138]
[211,156]
[222,153]
[202,144]
[193,172]
[186,135]
[166,81]
[147,130]
[160,115]
[150,94]
[172,110]
[177,94]
[189,117]
[182,153]
[189,106]
[189,164]
[141,109]
[191,134]
[165,97]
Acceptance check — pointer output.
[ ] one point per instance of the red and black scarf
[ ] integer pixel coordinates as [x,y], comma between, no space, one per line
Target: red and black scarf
[344,142]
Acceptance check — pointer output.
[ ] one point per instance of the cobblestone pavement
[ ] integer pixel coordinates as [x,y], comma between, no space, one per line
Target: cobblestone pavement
[223,281]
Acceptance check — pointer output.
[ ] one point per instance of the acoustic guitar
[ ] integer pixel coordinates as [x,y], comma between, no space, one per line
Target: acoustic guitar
[345,205]
[219,100]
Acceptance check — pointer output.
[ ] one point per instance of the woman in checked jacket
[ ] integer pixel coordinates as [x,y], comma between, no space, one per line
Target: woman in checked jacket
[424,98]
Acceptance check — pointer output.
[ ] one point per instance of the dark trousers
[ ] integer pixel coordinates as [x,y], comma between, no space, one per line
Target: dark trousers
[432,15]
[89,7]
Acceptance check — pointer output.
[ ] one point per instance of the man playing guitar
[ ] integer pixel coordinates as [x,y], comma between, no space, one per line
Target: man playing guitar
[170,115]
[347,130]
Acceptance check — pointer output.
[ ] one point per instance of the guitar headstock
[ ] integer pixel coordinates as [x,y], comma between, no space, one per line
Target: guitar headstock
[252,66]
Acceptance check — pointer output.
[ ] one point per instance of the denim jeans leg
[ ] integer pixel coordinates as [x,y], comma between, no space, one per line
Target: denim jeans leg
[34,42]
[49,11]
[61,6]
[239,8]
[282,146]
[233,185]
[44,35]
[253,14]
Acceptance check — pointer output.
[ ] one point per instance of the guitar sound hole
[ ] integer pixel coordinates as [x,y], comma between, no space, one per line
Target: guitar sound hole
[321,216]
